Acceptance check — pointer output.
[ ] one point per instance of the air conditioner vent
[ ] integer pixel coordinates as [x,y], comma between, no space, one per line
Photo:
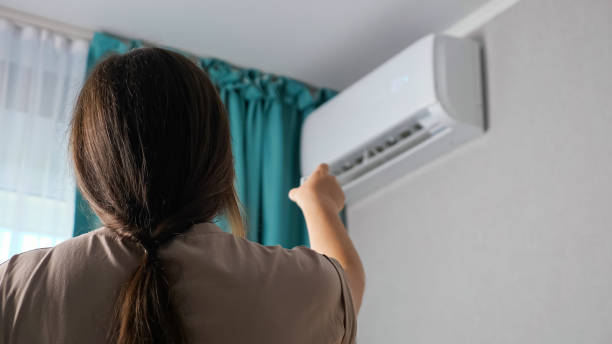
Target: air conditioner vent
[390,144]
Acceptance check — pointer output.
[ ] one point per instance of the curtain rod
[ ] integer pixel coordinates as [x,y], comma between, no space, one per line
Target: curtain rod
[23,18]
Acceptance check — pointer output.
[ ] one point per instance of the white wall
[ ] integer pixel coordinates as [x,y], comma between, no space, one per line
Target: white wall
[509,238]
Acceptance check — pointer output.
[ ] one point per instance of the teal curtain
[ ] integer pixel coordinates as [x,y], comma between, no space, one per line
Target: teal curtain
[266,114]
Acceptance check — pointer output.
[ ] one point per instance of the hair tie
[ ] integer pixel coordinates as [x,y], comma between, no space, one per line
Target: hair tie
[150,246]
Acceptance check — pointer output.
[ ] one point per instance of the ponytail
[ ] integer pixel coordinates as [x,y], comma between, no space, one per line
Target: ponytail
[144,312]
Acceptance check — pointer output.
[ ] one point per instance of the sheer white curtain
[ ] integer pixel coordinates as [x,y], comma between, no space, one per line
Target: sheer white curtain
[40,74]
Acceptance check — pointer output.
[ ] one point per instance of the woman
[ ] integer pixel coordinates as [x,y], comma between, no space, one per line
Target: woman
[151,147]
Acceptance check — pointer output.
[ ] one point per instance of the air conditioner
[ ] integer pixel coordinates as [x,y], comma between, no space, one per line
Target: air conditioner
[418,105]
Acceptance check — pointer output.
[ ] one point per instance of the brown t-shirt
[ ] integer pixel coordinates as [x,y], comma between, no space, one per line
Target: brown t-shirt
[226,289]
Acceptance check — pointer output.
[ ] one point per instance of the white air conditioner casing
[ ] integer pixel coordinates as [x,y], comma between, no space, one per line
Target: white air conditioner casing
[421,103]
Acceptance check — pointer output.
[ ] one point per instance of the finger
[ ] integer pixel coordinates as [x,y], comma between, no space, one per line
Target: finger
[324,168]
[293,194]
[335,179]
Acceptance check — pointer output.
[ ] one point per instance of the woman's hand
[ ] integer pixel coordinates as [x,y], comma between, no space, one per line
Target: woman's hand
[321,189]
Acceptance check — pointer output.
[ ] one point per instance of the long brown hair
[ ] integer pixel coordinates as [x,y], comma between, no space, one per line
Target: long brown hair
[151,147]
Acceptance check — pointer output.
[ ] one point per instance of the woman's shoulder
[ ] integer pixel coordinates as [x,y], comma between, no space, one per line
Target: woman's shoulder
[71,256]
[74,279]
[261,261]
[21,263]
[24,261]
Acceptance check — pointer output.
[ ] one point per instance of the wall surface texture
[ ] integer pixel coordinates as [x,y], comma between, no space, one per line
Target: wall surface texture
[508,239]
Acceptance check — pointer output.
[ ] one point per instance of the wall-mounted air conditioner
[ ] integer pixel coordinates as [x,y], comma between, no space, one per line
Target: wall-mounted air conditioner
[421,103]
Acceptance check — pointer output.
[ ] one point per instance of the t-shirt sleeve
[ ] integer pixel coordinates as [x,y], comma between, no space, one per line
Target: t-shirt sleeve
[350,318]
[320,280]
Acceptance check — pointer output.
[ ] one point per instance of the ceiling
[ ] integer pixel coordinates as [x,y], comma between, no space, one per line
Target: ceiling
[322,42]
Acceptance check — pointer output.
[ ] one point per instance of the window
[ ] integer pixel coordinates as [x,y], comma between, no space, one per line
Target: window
[40,75]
